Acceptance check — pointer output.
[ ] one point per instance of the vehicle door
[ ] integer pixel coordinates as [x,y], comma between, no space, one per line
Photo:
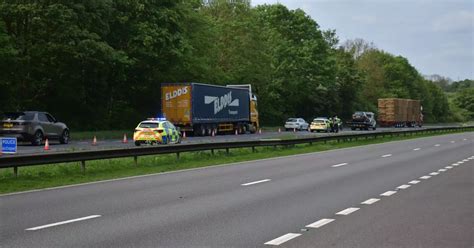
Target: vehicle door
[173,132]
[56,128]
[46,124]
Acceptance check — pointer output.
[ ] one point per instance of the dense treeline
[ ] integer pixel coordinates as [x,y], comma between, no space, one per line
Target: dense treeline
[99,64]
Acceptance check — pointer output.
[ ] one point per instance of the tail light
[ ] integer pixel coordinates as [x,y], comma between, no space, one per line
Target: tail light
[159,131]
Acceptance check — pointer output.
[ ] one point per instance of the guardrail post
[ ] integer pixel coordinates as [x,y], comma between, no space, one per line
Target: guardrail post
[227,151]
[83,166]
[15,171]
[177,155]
[253,148]
[212,152]
[135,160]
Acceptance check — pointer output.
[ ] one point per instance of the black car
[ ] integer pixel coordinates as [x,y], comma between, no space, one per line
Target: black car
[33,126]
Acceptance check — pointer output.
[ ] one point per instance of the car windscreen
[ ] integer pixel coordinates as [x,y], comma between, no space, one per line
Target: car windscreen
[359,113]
[18,116]
[149,125]
[318,121]
[291,120]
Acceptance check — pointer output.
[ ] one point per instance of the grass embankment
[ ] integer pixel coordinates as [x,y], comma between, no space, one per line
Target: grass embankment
[46,176]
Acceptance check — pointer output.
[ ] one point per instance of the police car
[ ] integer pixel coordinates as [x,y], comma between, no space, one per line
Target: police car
[320,124]
[156,131]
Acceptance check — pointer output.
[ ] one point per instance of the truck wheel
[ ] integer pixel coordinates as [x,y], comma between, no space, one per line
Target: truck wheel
[202,131]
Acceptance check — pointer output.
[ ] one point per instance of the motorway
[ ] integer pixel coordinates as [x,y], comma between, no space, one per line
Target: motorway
[412,193]
[26,148]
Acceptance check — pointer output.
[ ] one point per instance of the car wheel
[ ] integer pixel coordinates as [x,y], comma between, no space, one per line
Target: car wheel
[64,139]
[37,138]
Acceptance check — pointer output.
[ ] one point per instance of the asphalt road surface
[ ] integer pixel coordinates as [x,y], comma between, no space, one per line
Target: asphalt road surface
[413,193]
[25,148]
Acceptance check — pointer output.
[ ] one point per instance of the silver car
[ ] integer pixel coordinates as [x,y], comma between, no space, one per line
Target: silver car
[33,126]
[296,124]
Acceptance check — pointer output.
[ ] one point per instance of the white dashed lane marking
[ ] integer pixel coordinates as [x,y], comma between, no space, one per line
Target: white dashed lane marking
[448,167]
[320,223]
[347,211]
[416,149]
[404,186]
[465,160]
[442,170]
[63,222]
[370,201]
[437,145]
[282,239]
[414,182]
[252,183]
[434,173]
[386,155]
[388,193]
[425,177]
[452,141]
[338,165]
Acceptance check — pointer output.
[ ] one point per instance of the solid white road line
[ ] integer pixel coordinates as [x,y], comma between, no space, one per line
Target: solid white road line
[416,149]
[62,223]
[425,177]
[414,182]
[386,155]
[437,145]
[320,223]
[434,173]
[282,239]
[442,170]
[338,165]
[388,193]
[404,186]
[370,201]
[347,211]
[252,183]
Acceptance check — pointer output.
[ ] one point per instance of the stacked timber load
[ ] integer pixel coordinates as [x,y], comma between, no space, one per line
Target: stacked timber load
[387,110]
[416,110]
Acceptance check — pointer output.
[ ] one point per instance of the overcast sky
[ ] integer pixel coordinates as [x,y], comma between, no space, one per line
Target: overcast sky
[436,36]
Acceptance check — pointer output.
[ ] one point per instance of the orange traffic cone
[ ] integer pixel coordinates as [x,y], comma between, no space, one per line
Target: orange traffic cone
[94,141]
[46,145]
[125,140]
[184,134]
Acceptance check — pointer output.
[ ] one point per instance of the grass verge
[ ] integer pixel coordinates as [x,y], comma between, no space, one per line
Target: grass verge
[46,176]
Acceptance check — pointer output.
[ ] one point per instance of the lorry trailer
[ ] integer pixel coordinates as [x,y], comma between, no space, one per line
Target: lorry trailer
[204,109]
[397,112]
